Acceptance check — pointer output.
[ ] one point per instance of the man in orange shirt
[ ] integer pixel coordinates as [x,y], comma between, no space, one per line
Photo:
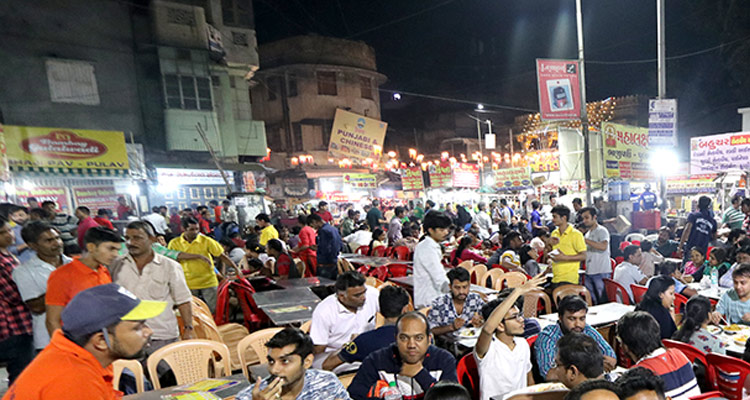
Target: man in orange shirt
[102,247]
[100,325]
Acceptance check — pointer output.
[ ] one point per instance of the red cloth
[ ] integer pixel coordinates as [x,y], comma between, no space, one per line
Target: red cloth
[326,215]
[15,317]
[239,242]
[175,223]
[283,264]
[84,226]
[307,237]
[467,255]
[217,214]
[104,222]
[204,225]
[123,212]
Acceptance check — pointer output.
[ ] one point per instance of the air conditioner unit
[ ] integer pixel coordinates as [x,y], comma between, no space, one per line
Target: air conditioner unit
[179,25]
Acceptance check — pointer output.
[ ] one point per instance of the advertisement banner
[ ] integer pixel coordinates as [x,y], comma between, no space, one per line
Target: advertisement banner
[95,197]
[720,153]
[46,193]
[691,184]
[466,175]
[360,181]
[440,175]
[4,167]
[193,176]
[559,89]
[411,178]
[356,137]
[543,161]
[662,122]
[512,178]
[626,152]
[65,148]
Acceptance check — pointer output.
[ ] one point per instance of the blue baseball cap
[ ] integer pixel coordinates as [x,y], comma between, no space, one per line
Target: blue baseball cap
[100,306]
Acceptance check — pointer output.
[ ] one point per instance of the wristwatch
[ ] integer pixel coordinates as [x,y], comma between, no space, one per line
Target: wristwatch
[187,327]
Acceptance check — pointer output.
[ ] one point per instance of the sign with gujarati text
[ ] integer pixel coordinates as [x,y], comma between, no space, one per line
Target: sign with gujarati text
[543,161]
[720,153]
[440,175]
[466,175]
[29,147]
[356,137]
[512,178]
[95,197]
[411,178]
[45,193]
[360,181]
[193,176]
[559,89]
[626,152]
[4,167]
[662,122]
[691,184]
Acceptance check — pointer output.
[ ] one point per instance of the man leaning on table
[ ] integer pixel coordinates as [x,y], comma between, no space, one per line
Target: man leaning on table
[100,325]
[734,305]
[452,311]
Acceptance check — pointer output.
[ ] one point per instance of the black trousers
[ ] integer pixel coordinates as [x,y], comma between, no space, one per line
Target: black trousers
[17,351]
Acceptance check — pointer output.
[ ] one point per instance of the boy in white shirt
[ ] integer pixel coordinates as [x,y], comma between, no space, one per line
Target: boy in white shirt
[503,355]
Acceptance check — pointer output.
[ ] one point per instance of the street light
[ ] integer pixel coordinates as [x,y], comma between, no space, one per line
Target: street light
[480,106]
[664,161]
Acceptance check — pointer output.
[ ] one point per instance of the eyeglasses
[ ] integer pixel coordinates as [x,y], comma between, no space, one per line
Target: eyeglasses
[518,317]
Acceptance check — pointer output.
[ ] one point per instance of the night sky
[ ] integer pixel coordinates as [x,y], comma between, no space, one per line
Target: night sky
[484,50]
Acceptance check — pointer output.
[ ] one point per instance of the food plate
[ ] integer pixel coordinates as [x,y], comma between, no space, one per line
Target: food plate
[469,333]
[741,340]
[713,329]
[734,328]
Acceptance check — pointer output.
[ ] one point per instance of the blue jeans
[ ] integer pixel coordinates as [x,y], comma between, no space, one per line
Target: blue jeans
[595,284]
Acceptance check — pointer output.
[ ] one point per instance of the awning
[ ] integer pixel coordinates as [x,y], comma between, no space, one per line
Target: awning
[66,172]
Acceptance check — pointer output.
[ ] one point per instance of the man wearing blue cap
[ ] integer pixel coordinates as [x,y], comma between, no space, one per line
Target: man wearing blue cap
[100,325]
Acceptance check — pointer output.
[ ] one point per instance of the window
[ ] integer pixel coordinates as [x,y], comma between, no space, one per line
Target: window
[188,92]
[291,85]
[272,85]
[327,127]
[327,83]
[237,13]
[365,87]
[273,138]
[72,82]
[297,128]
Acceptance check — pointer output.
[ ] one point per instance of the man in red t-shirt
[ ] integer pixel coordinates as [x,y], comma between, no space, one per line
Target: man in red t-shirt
[85,222]
[324,213]
[216,208]
[203,218]
[102,218]
[123,209]
[307,235]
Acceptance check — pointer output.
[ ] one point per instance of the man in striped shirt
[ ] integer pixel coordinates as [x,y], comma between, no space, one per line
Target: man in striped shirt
[733,217]
[641,339]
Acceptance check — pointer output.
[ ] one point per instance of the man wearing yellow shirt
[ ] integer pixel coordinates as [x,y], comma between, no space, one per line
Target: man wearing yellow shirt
[569,248]
[267,232]
[200,275]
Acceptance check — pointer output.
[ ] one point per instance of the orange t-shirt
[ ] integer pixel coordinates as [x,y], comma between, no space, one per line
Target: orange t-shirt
[63,370]
[65,282]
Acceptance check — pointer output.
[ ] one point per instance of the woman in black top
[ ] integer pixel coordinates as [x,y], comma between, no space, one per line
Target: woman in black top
[658,301]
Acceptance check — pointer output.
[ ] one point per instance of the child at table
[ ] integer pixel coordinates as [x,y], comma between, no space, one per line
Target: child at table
[717,260]
[694,329]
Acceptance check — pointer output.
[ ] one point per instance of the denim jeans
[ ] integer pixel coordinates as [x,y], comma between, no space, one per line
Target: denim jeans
[595,284]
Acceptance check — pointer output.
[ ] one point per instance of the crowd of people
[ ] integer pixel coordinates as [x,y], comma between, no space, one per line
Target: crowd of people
[76,290]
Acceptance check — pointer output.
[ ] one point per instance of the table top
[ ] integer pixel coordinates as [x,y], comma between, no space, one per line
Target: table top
[304,282]
[729,340]
[372,260]
[599,315]
[285,297]
[230,392]
[409,281]
[471,342]
[286,314]
[713,292]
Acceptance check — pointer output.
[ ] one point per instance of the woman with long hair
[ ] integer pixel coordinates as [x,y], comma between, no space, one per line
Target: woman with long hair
[284,267]
[463,252]
[378,240]
[694,327]
[716,261]
[658,301]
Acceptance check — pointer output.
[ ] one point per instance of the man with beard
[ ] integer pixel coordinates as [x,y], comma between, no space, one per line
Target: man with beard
[411,364]
[152,276]
[101,324]
[571,313]
[451,311]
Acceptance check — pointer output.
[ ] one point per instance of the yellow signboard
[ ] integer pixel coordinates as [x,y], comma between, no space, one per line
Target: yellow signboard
[30,147]
[626,152]
[354,136]
[4,168]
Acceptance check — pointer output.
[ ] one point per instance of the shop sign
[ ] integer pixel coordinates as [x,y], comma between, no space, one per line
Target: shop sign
[193,176]
[356,137]
[559,89]
[543,161]
[65,148]
[466,175]
[411,178]
[360,181]
[45,193]
[662,122]
[720,153]
[512,178]
[295,187]
[4,167]
[440,175]
[691,184]
[95,197]
[626,152]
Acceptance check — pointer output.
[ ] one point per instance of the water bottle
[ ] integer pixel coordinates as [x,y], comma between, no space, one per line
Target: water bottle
[714,276]
[391,392]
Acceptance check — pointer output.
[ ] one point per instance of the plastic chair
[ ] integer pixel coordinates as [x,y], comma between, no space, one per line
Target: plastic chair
[563,291]
[492,275]
[468,374]
[305,327]
[134,366]
[706,396]
[363,250]
[466,264]
[402,253]
[638,292]
[257,342]
[614,289]
[379,251]
[190,360]
[692,354]
[679,303]
[531,303]
[347,379]
[397,270]
[613,264]
[477,272]
[730,374]
[513,279]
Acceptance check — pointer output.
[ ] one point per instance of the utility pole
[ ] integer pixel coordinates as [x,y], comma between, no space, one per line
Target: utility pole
[661,52]
[584,114]
[510,139]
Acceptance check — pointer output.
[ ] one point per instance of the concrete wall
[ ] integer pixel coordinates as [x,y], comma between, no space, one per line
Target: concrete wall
[97,32]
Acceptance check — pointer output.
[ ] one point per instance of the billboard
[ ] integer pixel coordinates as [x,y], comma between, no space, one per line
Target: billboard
[411,178]
[440,175]
[720,153]
[356,137]
[95,197]
[512,178]
[662,122]
[626,152]
[466,175]
[360,181]
[559,89]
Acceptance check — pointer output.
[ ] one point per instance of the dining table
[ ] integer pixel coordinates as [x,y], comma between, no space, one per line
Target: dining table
[374,261]
[309,282]
[599,315]
[259,370]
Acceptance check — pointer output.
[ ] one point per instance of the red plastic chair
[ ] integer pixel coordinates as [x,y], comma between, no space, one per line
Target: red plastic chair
[638,292]
[379,251]
[692,354]
[706,396]
[613,289]
[531,340]
[624,244]
[363,250]
[397,270]
[679,303]
[614,264]
[730,374]
[468,374]
[402,253]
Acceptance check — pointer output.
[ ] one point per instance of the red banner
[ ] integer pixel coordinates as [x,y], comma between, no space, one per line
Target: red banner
[440,175]
[466,175]
[95,197]
[45,193]
[559,89]
[411,178]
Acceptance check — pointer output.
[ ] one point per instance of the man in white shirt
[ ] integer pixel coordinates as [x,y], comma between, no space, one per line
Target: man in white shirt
[31,276]
[483,220]
[598,264]
[628,272]
[503,355]
[362,237]
[342,315]
[430,280]
[157,221]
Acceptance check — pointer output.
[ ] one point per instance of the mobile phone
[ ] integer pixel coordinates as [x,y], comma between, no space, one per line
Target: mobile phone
[560,98]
